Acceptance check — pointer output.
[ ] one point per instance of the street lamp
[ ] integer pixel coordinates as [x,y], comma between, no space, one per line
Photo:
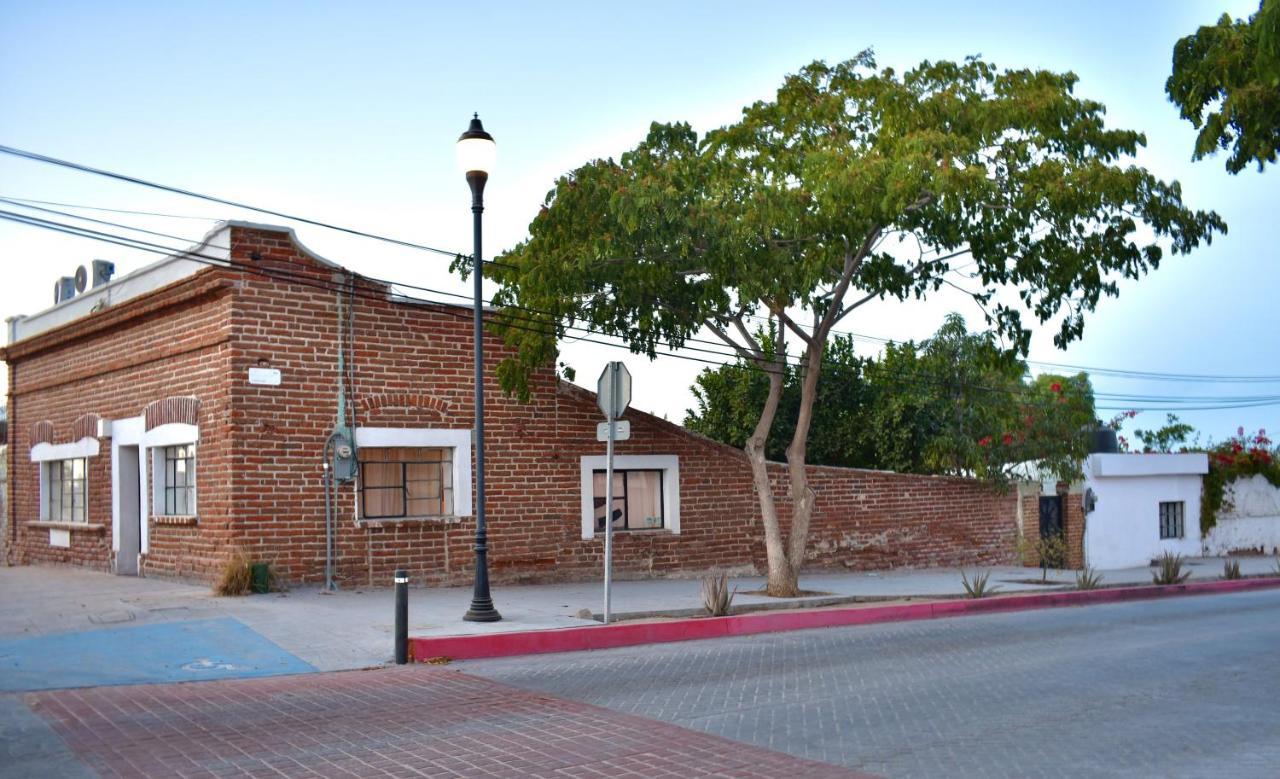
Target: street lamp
[476,156]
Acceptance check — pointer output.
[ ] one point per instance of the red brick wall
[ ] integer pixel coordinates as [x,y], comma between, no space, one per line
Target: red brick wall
[113,363]
[1072,526]
[259,461]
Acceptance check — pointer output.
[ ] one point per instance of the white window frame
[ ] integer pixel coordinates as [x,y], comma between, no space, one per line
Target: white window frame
[44,453]
[46,491]
[429,438]
[669,464]
[156,440]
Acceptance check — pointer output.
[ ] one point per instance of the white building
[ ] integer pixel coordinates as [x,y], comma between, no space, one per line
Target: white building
[1139,506]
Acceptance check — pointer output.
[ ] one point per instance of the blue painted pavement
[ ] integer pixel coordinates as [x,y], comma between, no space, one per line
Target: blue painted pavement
[186,651]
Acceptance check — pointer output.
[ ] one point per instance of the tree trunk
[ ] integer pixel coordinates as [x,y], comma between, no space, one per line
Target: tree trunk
[802,495]
[781,576]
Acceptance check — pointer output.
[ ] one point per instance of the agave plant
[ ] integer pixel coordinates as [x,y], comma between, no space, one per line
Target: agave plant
[716,596]
[977,587]
[1088,579]
[1231,569]
[1169,570]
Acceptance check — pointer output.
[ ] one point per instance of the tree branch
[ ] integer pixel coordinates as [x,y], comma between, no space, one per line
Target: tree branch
[790,323]
[754,354]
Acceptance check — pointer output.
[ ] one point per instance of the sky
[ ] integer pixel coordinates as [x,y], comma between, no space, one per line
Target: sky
[348,113]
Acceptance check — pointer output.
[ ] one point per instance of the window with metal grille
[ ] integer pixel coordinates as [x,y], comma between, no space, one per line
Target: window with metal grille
[637,499]
[179,481]
[66,495]
[398,482]
[1171,519]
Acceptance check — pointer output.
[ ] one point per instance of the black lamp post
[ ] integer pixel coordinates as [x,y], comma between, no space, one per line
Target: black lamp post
[476,155]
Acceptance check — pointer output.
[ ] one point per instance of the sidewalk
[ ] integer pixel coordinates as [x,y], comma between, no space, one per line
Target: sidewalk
[353,628]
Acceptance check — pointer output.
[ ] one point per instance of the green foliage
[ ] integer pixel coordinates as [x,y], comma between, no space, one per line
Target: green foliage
[1052,553]
[1174,433]
[1239,457]
[716,595]
[729,399]
[1169,570]
[1231,569]
[978,586]
[852,184]
[954,404]
[1232,69]
[1088,579]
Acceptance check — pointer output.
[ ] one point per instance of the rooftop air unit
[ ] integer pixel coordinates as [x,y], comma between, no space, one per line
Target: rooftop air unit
[64,289]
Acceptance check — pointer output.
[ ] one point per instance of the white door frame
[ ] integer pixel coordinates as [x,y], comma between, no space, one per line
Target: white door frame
[129,432]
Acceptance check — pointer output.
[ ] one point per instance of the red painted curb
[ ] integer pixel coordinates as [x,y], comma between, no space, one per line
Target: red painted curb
[532,642]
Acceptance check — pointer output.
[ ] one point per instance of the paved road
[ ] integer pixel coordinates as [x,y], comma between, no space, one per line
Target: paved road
[1184,687]
[394,722]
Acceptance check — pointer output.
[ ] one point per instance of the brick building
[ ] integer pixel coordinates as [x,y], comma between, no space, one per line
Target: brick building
[163,418]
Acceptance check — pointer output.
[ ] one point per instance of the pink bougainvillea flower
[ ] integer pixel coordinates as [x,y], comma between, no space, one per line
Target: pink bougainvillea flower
[1240,430]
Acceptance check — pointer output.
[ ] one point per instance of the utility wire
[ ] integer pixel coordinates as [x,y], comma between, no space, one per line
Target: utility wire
[1156,376]
[30,155]
[24,200]
[312,281]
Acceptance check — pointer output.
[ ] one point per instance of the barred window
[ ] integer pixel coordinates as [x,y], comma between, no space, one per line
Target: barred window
[179,481]
[66,490]
[1171,519]
[398,482]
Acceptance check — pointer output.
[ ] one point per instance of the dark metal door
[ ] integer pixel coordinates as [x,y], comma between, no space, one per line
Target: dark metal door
[1050,516]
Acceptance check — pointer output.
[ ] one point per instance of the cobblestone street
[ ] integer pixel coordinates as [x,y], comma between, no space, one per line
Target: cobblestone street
[1188,687]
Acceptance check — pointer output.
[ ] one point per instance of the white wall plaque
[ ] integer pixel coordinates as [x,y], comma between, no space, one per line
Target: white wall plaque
[268,376]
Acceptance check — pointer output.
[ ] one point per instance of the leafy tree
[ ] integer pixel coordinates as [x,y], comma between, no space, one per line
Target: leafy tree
[954,404]
[796,212]
[1232,69]
[729,399]
[1174,433]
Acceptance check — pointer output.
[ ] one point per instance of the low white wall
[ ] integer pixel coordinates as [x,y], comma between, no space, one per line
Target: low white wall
[1250,518]
[1123,530]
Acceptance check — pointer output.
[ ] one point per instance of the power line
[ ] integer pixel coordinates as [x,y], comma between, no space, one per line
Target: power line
[222,201]
[1115,372]
[1227,403]
[24,200]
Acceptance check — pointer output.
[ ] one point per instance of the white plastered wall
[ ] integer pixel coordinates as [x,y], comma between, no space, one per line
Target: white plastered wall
[1123,530]
[1250,518]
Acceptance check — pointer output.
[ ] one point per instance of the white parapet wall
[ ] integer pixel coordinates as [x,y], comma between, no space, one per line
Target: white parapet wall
[1249,518]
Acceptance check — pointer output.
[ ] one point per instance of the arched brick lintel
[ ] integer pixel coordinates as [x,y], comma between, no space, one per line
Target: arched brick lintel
[85,426]
[403,400]
[184,409]
[42,432]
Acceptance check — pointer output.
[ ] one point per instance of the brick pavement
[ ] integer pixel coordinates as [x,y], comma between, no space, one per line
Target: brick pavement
[1187,687]
[399,722]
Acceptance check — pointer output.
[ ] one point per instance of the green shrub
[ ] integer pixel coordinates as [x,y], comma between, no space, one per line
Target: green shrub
[978,587]
[1231,569]
[1088,579]
[1169,570]
[716,596]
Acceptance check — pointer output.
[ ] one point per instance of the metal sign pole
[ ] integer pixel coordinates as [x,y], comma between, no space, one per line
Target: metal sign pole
[608,501]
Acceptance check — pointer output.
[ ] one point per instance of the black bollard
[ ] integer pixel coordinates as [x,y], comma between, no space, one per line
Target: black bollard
[402,617]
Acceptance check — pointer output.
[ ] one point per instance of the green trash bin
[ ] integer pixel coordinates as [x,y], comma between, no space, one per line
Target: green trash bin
[261,578]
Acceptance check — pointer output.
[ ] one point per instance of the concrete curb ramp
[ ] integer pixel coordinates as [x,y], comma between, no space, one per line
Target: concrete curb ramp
[575,639]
